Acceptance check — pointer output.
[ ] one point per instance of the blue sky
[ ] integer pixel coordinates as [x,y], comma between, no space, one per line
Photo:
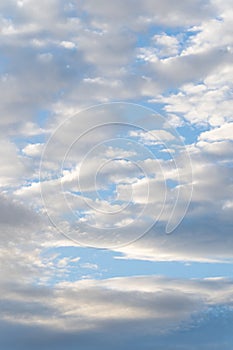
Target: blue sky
[116,174]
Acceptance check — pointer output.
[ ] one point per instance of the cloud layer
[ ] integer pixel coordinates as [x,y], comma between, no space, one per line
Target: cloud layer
[62,57]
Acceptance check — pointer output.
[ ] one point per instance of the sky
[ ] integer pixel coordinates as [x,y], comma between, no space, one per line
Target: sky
[116,174]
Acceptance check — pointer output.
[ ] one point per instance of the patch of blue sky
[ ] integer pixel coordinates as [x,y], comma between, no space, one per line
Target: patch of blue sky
[92,194]
[73,215]
[108,193]
[110,264]
[42,117]
[23,141]
[190,132]
[3,64]
[183,34]
[144,38]
[171,183]
[163,151]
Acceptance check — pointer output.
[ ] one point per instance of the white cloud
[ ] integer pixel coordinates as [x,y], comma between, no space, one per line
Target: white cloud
[224,132]
[68,44]
[105,67]
[33,149]
[56,59]
[153,136]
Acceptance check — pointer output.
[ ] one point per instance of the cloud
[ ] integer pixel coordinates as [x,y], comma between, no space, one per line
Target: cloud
[58,58]
[100,48]
[162,309]
[15,214]
[33,149]
[91,58]
[224,132]
[149,12]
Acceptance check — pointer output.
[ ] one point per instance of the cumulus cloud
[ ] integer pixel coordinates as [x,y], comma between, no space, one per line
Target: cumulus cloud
[58,58]
[87,58]
[224,132]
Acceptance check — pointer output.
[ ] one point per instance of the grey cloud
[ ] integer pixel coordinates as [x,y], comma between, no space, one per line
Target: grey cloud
[96,315]
[52,72]
[31,83]
[62,56]
[200,237]
[173,14]
[22,232]
[174,72]
[14,214]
